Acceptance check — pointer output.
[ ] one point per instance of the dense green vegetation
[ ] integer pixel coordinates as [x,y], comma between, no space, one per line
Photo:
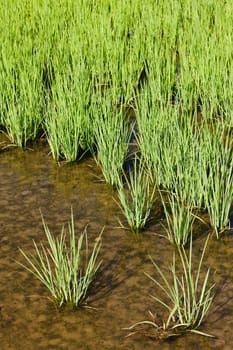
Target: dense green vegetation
[95,75]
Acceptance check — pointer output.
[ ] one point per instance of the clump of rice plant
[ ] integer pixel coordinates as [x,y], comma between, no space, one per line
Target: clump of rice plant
[179,219]
[218,181]
[170,147]
[190,296]
[22,113]
[67,121]
[67,270]
[112,135]
[219,198]
[136,199]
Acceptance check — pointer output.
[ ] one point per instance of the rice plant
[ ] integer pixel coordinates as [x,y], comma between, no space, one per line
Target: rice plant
[187,55]
[67,121]
[137,197]
[190,296]
[155,120]
[67,270]
[218,181]
[179,219]
[112,134]
[22,103]
[170,147]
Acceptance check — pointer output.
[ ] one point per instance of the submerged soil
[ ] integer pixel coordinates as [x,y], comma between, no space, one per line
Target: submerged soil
[31,181]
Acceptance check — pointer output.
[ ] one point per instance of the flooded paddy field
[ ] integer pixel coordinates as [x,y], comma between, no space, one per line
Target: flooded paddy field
[117,114]
[120,296]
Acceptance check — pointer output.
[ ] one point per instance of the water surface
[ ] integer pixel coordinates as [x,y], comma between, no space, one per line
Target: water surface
[31,181]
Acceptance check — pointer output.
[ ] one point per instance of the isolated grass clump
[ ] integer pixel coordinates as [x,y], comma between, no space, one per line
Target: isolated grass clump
[66,269]
[189,294]
[136,194]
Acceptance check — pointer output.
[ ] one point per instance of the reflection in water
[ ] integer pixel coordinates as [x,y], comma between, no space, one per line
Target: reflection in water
[30,180]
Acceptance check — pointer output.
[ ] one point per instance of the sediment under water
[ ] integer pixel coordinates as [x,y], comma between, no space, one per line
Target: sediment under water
[30,180]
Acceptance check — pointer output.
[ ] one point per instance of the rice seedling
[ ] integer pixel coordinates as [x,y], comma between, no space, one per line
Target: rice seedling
[112,134]
[190,296]
[179,219]
[22,103]
[218,199]
[218,181]
[20,73]
[170,148]
[137,198]
[118,40]
[155,125]
[67,270]
[67,120]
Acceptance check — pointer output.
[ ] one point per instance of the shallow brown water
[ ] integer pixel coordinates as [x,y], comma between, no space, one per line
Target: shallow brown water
[31,180]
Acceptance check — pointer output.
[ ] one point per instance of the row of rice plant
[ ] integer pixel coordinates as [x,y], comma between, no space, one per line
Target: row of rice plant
[193,162]
[75,50]
[50,53]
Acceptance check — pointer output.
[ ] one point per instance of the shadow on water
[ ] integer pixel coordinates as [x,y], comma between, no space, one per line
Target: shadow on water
[231,216]
[120,295]
[106,280]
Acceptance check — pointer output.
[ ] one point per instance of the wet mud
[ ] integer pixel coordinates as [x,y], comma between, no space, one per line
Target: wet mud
[31,181]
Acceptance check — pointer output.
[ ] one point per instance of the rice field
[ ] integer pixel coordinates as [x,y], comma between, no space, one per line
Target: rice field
[143,91]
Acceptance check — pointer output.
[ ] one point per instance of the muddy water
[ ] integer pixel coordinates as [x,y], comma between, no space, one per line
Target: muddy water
[30,180]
